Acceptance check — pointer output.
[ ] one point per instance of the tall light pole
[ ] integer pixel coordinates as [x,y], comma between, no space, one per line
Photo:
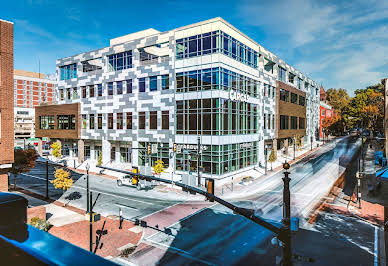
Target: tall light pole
[265,158]
[294,146]
[199,160]
[311,142]
[286,217]
[87,188]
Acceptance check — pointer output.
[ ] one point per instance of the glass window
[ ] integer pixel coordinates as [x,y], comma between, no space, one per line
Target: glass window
[141,120]
[120,61]
[91,121]
[165,120]
[68,71]
[61,94]
[99,121]
[91,91]
[99,89]
[69,94]
[141,84]
[84,121]
[153,83]
[113,153]
[110,88]
[66,121]
[284,95]
[153,120]
[282,74]
[294,122]
[75,93]
[291,77]
[165,82]
[129,120]
[119,87]
[284,123]
[294,98]
[125,155]
[302,100]
[46,122]
[129,85]
[119,121]
[87,152]
[302,123]
[110,121]
[83,88]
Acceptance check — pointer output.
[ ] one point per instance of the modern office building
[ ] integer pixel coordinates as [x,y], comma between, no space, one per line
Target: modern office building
[205,82]
[6,103]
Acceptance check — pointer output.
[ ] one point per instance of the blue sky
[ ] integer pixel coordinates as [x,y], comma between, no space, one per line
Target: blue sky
[341,44]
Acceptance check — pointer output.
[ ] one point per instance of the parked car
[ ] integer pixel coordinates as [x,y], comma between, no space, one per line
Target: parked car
[128,180]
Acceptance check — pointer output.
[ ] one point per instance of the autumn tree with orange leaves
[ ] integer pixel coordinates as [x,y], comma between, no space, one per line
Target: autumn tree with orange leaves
[367,107]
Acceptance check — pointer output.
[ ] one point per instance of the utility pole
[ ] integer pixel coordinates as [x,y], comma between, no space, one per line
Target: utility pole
[311,142]
[199,160]
[286,217]
[47,181]
[90,223]
[87,189]
[265,159]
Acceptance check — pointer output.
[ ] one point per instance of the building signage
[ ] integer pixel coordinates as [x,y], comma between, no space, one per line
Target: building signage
[238,96]
[246,145]
[189,147]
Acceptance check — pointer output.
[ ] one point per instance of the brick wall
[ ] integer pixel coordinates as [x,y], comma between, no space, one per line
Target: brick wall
[289,109]
[60,109]
[6,99]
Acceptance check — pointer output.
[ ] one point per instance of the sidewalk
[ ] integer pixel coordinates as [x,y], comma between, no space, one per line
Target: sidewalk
[69,224]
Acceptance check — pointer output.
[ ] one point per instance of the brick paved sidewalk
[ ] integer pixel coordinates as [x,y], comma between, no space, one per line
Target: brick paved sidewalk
[113,242]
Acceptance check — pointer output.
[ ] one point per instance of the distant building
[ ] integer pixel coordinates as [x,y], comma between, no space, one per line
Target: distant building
[325,112]
[6,103]
[31,89]
[322,94]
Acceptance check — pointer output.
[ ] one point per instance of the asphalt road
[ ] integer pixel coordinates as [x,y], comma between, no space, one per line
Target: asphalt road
[112,198]
[216,236]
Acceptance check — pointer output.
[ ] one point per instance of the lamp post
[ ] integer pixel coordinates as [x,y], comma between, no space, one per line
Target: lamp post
[311,142]
[294,146]
[265,158]
[87,188]
[286,217]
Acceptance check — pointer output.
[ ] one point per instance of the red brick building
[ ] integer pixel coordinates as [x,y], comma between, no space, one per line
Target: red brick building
[6,105]
[325,111]
[31,89]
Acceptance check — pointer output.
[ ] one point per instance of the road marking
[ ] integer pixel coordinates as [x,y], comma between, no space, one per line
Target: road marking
[126,206]
[181,252]
[376,255]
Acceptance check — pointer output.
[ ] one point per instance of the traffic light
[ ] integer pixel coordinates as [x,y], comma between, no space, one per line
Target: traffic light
[149,149]
[210,187]
[174,147]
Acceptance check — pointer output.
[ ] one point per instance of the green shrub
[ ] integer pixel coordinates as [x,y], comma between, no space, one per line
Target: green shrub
[40,224]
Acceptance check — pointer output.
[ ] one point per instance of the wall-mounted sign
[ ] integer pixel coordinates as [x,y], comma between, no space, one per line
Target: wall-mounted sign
[189,147]
[238,96]
[246,145]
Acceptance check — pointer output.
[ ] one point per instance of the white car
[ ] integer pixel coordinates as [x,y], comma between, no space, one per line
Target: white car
[127,180]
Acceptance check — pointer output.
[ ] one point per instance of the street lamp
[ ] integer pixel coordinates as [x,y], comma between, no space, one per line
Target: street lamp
[311,142]
[265,158]
[294,146]
[87,166]
[286,216]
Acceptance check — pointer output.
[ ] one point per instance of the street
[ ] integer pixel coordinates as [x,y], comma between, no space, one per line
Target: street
[213,235]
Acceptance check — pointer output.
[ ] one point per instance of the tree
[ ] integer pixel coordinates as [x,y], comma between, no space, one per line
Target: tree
[332,125]
[99,160]
[367,108]
[62,179]
[338,99]
[272,157]
[56,149]
[24,160]
[159,167]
